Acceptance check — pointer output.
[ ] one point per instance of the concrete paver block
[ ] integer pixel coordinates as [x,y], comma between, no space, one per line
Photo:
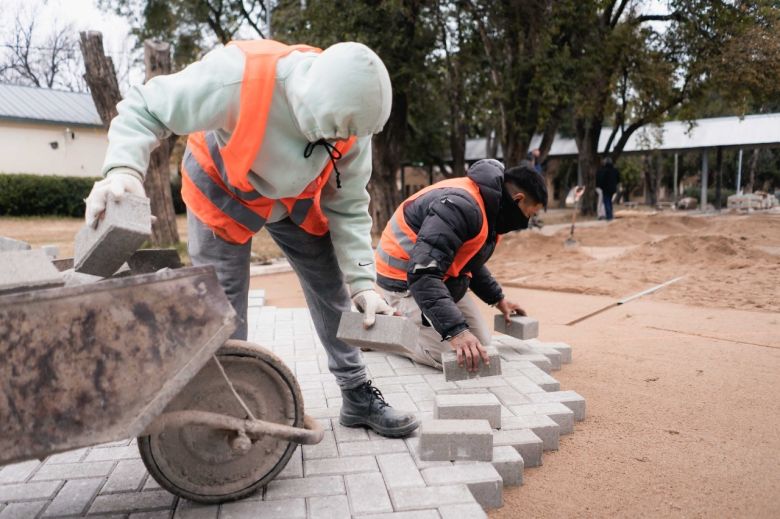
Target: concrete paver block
[413,498]
[555,357]
[482,480]
[558,412]
[125,226]
[509,395]
[9,244]
[29,509]
[73,498]
[388,332]
[450,440]
[473,511]
[27,491]
[348,465]
[431,513]
[452,371]
[543,426]
[524,441]
[521,327]
[281,509]
[329,507]
[27,270]
[542,379]
[509,464]
[570,399]
[474,406]
[563,348]
[131,502]
[52,251]
[306,487]
[367,494]
[399,470]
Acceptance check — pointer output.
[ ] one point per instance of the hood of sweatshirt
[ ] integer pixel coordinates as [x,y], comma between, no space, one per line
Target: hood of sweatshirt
[344,91]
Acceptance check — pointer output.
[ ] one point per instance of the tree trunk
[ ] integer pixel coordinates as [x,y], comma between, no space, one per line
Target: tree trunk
[387,151]
[753,167]
[650,172]
[157,60]
[100,75]
[587,136]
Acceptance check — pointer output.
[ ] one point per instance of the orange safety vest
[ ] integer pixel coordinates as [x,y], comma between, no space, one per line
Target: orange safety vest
[395,246]
[214,180]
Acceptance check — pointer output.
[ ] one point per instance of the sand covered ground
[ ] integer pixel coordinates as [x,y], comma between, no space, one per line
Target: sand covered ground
[729,261]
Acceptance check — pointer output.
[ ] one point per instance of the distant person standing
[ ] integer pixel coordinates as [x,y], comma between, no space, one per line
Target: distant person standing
[607,179]
[534,158]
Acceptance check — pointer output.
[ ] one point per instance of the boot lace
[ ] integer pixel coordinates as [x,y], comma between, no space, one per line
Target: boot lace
[333,153]
[376,394]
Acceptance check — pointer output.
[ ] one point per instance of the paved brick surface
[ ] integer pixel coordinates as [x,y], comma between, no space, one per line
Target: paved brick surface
[353,473]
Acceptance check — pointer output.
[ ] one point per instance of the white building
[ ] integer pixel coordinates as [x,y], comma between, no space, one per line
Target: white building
[50,132]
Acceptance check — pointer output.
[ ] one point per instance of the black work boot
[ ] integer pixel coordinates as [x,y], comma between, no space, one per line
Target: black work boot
[365,406]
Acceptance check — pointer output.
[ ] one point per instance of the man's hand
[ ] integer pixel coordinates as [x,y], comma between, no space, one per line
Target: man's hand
[469,350]
[371,303]
[508,308]
[115,183]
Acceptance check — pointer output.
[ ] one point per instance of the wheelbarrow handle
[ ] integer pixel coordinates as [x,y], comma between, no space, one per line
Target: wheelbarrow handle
[310,434]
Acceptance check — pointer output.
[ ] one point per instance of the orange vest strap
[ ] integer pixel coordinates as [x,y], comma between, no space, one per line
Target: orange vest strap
[256,92]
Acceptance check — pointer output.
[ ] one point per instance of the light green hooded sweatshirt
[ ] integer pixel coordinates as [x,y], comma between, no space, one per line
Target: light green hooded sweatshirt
[343,91]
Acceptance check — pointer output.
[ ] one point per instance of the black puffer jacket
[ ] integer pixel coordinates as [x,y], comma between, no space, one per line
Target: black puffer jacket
[444,219]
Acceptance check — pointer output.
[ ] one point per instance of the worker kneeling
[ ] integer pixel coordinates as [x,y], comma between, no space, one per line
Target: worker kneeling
[435,246]
[279,136]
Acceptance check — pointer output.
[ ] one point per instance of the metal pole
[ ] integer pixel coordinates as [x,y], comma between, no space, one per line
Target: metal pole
[674,187]
[268,18]
[704,172]
[739,173]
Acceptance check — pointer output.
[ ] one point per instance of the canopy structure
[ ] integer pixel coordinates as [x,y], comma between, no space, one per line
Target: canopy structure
[675,137]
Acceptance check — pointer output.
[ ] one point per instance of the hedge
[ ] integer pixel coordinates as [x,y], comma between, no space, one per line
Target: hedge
[50,195]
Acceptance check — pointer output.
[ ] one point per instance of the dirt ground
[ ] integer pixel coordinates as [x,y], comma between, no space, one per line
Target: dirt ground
[681,385]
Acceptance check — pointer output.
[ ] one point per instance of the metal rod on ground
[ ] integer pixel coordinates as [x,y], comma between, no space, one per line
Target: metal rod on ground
[625,300]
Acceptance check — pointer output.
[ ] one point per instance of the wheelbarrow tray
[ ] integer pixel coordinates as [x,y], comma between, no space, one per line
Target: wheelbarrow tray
[95,363]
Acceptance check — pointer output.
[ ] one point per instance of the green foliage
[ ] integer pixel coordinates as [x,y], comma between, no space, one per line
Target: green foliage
[51,195]
[37,195]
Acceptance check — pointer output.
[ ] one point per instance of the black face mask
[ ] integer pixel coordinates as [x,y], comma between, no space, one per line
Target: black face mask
[510,217]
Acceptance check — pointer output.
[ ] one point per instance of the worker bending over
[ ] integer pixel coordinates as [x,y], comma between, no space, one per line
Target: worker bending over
[279,136]
[435,246]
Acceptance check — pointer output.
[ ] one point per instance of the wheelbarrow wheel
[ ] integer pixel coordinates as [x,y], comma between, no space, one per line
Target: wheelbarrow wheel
[202,463]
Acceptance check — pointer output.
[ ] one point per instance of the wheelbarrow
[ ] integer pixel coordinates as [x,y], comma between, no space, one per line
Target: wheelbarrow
[148,356]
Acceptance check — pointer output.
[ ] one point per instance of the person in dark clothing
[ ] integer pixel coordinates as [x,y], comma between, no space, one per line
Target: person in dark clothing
[435,246]
[607,179]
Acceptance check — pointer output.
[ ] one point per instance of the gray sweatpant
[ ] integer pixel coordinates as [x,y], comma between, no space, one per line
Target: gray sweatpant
[314,261]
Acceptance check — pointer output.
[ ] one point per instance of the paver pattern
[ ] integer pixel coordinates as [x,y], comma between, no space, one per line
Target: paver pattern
[353,473]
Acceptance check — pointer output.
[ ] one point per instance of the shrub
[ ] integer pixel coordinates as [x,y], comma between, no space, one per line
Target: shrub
[38,195]
[51,195]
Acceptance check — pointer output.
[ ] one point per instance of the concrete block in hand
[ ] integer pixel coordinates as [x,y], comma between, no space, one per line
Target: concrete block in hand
[126,224]
[389,333]
[452,371]
[521,327]
[9,244]
[27,270]
[451,440]
[509,464]
[473,406]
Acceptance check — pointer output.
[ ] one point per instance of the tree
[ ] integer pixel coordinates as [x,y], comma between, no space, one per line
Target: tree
[50,61]
[193,26]
[400,33]
[101,78]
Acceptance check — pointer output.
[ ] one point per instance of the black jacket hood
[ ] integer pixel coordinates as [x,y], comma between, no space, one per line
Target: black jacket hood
[502,212]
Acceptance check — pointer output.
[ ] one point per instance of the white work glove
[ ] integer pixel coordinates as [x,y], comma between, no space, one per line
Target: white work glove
[371,303]
[115,183]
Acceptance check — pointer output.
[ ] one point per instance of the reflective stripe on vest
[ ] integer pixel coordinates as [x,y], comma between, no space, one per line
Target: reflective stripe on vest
[395,246]
[215,184]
